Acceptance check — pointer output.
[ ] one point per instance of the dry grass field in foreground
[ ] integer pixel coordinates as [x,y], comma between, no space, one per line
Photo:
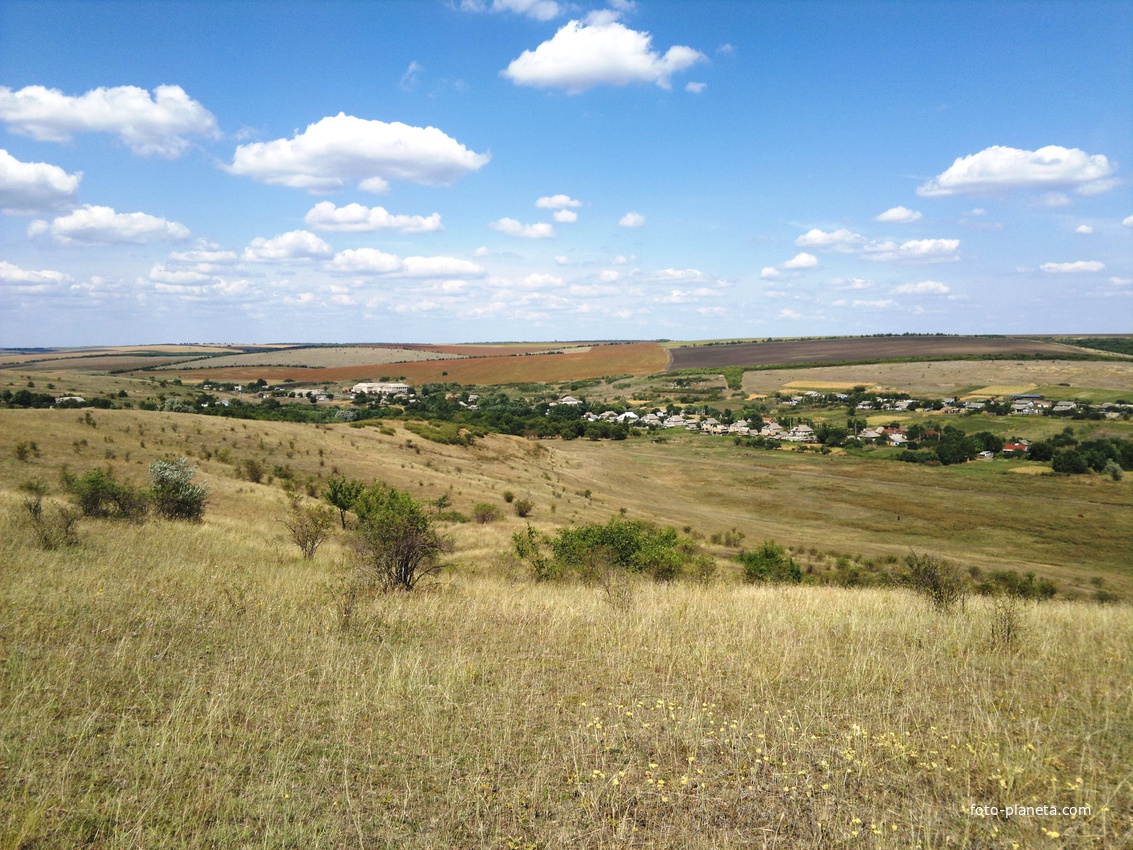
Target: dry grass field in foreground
[193,686]
[196,685]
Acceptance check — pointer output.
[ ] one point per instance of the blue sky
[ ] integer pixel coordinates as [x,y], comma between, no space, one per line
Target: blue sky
[475,170]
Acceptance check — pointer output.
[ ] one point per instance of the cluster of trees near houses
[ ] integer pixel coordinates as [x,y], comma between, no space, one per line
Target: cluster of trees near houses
[1066,453]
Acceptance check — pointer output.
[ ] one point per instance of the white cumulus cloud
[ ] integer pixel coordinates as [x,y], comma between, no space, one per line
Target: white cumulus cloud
[357,218]
[696,88]
[923,250]
[769,273]
[160,273]
[365,261]
[154,125]
[899,215]
[440,267]
[205,258]
[540,10]
[1004,169]
[600,52]
[1084,229]
[93,225]
[11,273]
[539,230]
[1072,268]
[839,240]
[371,261]
[925,287]
[801,261]
[631,219]
[31,187]
[1128,221]
[296,246]
[565,216]
[342,149]
[557,202]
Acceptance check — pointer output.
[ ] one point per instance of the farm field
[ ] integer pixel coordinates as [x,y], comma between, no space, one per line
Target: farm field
[482,365]
[110,358]
[943,378]
[784,352]
[318,357]
[196,684]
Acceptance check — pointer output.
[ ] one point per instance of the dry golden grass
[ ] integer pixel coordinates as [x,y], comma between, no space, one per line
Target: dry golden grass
[170,685]
[192,686]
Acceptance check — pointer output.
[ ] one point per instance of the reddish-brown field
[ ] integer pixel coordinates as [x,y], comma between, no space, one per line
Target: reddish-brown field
[634,358]
[782,352]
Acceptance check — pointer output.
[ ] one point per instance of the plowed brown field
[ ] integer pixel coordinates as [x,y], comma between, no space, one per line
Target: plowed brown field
[782,352]
[634,358]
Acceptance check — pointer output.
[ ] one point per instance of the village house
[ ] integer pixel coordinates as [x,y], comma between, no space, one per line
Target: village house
[800,434]
[392,390]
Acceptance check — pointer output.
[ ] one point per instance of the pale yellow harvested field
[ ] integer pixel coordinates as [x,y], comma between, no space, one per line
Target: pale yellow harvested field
[1001,390]
[945,377]
[322,358]
[820,385]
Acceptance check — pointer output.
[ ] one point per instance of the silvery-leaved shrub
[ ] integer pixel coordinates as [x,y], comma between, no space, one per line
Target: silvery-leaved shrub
[175,496]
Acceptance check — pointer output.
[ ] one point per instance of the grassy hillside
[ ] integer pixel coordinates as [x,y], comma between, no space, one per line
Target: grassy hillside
[197,685]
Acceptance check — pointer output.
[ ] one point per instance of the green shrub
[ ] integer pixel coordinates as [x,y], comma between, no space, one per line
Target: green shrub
[175,496]
[251,469]
[523,507]
[1010,583]
[938,580]
[446,433]
[451,516]
[529,546]
[509,496]
[485,512]
[630,545]
[770,562]
[98,495]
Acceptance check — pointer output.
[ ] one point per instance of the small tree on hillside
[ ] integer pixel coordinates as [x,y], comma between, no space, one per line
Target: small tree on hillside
[309,525]
[396,541]
[342,493]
